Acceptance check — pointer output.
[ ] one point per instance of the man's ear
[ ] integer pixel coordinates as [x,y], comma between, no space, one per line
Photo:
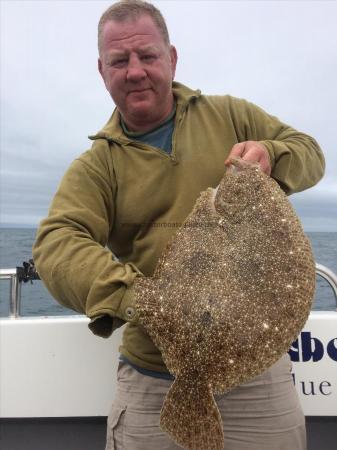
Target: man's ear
[174,59]
[100,67]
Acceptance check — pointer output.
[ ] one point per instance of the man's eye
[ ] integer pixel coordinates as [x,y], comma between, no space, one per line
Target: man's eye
[148,57]
[119,62]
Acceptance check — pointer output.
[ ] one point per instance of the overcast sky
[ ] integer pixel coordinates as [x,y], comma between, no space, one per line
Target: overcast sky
[281,55]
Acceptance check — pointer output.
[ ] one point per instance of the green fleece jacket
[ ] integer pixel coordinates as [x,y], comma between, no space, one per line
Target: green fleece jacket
[119,203]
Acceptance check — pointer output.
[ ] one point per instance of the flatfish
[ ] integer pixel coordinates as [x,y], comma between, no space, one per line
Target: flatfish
[230,293]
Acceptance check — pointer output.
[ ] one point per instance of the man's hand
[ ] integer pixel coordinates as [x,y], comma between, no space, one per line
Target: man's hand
[252,151]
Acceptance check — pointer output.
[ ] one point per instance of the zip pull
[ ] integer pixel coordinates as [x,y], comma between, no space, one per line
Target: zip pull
[176,129]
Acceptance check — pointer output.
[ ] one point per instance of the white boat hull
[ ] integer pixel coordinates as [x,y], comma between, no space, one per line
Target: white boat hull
[55,367]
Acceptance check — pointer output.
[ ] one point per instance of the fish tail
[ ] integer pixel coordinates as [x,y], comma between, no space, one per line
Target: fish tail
[191,417]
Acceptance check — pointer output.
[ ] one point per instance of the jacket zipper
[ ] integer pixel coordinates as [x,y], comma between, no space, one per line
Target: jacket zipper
[174,137]
[144,146]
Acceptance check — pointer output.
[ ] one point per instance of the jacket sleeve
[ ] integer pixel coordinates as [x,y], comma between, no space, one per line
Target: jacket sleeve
[296,158]
[70,250]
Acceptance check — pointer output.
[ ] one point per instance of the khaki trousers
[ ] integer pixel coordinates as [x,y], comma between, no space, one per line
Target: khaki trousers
[263,414]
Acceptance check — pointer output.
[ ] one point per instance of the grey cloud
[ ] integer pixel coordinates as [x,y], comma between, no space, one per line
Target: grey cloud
[282,58]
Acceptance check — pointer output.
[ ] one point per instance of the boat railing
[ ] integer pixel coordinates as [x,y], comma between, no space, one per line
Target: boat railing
[329,276]
[14,291]
[23,274]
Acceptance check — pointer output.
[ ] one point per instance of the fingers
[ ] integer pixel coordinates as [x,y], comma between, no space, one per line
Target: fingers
[237,151]
[251,151]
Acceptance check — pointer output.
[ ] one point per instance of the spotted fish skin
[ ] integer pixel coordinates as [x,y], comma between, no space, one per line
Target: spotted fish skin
[230,293]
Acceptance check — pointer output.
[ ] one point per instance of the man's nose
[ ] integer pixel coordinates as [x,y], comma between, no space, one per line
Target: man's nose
[135,69]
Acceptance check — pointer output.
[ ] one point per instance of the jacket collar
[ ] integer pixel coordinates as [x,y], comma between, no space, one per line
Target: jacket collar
[112,131]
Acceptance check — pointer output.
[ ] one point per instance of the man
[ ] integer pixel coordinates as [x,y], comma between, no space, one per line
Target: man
[163,145]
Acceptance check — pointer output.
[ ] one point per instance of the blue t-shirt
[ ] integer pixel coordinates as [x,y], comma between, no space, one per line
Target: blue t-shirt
[150,373]
[160,137]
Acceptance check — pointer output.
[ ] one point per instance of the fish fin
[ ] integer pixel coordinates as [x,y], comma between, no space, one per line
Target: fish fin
[146,297]
[191,416]
[149,307]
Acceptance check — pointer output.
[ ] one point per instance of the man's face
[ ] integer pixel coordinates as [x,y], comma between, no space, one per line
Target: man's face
[138,67]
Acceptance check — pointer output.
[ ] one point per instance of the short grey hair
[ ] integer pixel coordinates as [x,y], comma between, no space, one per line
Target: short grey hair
[132,10]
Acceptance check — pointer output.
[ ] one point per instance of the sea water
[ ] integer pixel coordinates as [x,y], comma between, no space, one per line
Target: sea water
[16,247]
